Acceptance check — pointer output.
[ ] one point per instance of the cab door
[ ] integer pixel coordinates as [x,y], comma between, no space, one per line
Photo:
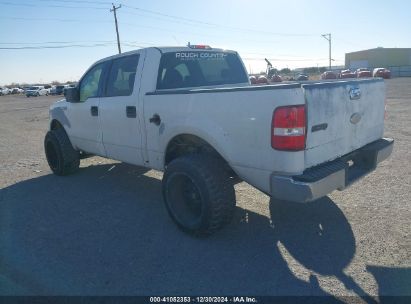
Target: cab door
[84,126]
[122,135]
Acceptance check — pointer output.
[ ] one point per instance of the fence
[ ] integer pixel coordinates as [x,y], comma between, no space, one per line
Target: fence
[400,71]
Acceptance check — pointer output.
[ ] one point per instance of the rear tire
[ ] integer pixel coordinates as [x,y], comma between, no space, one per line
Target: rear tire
[198,194]
[61,156]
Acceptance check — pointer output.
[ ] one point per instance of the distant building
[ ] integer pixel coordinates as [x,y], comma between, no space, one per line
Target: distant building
[398,60]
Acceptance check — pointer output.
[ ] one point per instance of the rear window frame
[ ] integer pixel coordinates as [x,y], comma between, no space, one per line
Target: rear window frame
[161,70]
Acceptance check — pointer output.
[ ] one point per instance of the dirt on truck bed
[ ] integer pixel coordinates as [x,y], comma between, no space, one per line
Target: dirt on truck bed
[105,230]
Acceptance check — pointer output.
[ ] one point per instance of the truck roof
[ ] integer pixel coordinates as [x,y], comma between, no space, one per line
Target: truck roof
[166,49]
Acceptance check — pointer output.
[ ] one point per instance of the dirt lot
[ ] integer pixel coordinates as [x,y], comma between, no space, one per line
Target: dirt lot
[105,231]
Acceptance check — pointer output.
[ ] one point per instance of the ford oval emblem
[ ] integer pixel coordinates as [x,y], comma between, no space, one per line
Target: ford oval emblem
[355,93]
[355,118]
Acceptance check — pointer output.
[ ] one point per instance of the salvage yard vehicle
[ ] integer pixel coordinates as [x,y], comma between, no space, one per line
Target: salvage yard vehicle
[262,79]
[4,91]
[347,74]
[276,78]
[37,91]
[192,113]
[382,72]
[16,91]
[253,80]
[302,77]
[58,90]
[328,75]
[363,73]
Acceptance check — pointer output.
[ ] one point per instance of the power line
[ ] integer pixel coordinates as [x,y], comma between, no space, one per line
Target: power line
[78,1]
[54,46]
[54,19]
[167,15]
[215,24]
[130,24]
[63,42]
[281,59]
[51,5]
[174,18]
[67,44]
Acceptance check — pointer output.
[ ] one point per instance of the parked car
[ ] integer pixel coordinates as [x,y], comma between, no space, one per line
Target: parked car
[53,90]
[68,86]
[37,91]
[4,91]
[276,78]
[262,80]
[328,75]
[59,89]
[253,80]
[347,74]
[16,91]
[382,72]
[363,73]
[301,77]
[205,126]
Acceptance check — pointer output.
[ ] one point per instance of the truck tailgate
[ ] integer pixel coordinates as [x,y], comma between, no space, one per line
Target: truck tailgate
[342,116]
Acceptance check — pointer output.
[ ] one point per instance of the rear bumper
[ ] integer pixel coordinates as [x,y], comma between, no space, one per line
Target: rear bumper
[338,174]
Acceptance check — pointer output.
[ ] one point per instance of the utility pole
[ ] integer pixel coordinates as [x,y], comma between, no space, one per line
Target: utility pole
[328,37]
[115,20]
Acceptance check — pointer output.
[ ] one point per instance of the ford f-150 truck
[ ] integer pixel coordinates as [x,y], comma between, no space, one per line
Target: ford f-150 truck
[192,113]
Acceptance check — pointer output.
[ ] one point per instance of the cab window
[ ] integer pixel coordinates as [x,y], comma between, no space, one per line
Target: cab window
[122,74]
[90,83]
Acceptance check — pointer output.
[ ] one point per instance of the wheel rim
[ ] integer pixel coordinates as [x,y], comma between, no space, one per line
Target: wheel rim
[51,155]
[185,200]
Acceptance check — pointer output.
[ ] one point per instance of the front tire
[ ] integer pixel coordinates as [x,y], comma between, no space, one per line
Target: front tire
[61,156]
[198,194]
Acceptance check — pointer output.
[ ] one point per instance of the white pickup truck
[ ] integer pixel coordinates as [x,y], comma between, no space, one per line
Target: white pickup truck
[192,113]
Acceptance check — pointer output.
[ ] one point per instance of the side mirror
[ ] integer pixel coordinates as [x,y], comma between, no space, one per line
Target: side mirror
[72,94]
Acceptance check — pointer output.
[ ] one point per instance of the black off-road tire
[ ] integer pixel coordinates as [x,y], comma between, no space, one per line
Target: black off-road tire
[60,154]
[215,199]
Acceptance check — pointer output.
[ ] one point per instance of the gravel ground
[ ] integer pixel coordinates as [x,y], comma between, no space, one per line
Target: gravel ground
[105,231]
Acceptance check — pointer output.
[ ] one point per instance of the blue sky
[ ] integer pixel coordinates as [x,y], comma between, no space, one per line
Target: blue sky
[288,32]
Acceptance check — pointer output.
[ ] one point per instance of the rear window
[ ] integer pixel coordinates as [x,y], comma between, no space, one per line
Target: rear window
[195,69]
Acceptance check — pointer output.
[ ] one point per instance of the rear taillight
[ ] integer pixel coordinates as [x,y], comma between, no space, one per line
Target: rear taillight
[288,128]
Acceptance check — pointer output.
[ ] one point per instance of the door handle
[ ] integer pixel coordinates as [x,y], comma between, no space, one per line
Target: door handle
[94,111]
[155,119]
[131,111]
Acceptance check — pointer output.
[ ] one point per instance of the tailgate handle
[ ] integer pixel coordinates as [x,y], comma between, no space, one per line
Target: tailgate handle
[355,93]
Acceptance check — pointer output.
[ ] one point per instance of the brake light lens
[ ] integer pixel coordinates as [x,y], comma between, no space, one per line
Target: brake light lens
[288,128]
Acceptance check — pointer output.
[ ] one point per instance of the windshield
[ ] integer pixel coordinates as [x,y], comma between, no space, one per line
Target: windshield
[195,69]
[34,88]
[60,87]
